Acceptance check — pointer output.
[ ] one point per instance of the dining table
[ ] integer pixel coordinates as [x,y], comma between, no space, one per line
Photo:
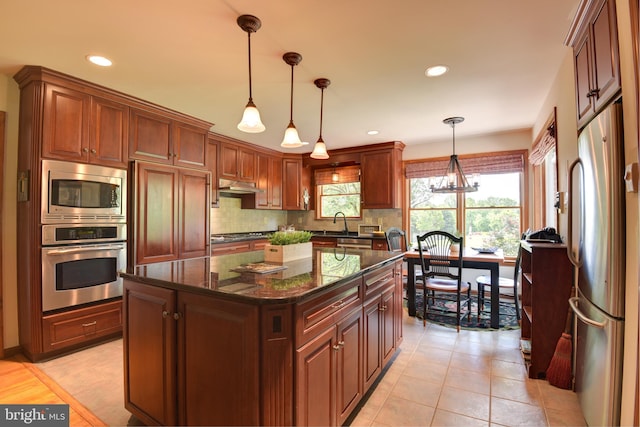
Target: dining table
[471,258]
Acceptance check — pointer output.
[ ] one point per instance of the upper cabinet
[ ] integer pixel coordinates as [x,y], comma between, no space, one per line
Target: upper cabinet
[79,127]
[269,180]
[594,39]
[381,179]
[295,179]
[160,139]
[380,172]
[237,162]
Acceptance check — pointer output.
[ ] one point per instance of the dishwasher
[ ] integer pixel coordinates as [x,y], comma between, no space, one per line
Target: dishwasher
[343,242]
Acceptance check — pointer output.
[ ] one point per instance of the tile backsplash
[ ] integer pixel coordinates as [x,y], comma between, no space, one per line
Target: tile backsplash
[231,218]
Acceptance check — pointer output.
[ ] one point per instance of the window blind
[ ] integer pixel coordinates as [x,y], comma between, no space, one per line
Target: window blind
[500,162]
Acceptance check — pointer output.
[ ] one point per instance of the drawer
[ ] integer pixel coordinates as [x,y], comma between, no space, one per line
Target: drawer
[73,327]
[230,248]
[317,314]
[378,280]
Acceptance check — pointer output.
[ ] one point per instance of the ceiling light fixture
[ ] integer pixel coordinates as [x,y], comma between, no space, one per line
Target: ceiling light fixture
[320,149]
[436,70]
[250,122]
[335,176]
[291,138]
[99,60]
[454,180]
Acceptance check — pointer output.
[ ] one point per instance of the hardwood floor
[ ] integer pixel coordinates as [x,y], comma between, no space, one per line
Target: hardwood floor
[22,383]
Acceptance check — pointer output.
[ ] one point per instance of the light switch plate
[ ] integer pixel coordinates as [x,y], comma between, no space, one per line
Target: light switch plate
[631,177]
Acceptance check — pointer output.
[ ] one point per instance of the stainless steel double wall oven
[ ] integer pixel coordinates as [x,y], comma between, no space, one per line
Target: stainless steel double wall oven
[83,233]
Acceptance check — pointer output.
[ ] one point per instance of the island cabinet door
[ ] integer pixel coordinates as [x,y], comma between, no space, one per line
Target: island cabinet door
[218,362]
[316,381]
[149,353]
[329,381]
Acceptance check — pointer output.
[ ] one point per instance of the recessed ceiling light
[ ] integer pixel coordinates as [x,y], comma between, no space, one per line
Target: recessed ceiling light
[372,132]
[436,70]
[99,60]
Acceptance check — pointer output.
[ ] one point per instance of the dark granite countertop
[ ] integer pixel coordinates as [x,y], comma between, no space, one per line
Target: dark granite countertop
[301,278]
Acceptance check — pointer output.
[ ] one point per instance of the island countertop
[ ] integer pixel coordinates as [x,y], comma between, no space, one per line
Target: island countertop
[223,275]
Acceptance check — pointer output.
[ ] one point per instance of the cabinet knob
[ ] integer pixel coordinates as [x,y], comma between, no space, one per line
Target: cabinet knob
[383,308]
[593,93]
[177,316]
[165,313]
[336,347]
[85,150]
[93,151]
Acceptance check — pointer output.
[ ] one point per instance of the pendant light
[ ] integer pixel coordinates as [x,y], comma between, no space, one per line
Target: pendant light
[320,149]
[250,122]
[291,138]
[454,180]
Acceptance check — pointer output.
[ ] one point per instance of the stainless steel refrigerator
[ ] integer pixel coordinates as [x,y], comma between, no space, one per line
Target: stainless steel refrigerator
[596,245]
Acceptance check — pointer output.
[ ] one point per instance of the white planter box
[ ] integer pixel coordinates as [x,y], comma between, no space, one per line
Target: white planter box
[286,253]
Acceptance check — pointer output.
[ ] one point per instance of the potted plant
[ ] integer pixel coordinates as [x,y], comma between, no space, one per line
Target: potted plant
[287,246]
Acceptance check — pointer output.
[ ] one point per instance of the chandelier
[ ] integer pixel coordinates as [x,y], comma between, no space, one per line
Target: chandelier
[250,122]
[454,180]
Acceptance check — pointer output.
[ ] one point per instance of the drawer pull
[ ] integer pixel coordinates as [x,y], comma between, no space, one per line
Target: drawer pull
[86,325]
[339,304]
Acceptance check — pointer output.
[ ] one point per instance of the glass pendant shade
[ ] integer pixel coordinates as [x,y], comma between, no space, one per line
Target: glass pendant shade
[320,150]
[291,138]
[251,122]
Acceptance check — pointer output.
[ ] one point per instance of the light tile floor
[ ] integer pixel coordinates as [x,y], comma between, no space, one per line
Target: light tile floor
[439,378]
[471,378]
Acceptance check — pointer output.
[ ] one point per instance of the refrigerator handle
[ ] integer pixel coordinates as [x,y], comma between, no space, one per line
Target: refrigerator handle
[573,303]
[574,260]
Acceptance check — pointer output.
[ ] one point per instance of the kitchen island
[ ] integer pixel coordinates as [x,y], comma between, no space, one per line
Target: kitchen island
[208,342]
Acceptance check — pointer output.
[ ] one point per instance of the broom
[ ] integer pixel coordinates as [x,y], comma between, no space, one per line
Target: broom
[559,370]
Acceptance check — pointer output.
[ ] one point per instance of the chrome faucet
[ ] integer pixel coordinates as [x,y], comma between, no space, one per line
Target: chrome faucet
[346,229]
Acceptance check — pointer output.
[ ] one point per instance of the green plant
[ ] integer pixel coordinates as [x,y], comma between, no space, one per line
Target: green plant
[281,238]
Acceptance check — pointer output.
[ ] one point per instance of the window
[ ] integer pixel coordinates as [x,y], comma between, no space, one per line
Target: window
[545,172]
[338,190]
[492,216]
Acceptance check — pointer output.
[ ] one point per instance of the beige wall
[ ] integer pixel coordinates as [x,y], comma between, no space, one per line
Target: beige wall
[9,101]
[562,95]
[502,141]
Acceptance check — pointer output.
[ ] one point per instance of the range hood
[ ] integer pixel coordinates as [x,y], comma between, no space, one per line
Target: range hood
[227,186]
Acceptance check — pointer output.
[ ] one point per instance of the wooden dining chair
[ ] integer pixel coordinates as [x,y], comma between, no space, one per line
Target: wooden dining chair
[441,277]
[396,240]
[508,287]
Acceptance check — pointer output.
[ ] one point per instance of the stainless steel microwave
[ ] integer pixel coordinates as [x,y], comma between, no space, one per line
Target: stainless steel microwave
[82,193]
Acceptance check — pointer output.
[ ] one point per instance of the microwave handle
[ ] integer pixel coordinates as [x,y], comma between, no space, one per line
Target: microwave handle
[84,249]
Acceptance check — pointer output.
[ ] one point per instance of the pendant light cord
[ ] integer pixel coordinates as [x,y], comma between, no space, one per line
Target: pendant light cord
[291,103]
[321,105]
[249,42]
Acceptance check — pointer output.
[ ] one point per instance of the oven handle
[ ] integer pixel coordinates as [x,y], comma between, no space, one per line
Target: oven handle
[84,249]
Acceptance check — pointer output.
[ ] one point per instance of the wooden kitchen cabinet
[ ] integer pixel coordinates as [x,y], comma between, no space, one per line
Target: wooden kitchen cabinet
[159,138]
[269,180]
[295,179]
[79,127]
[237,162]
[381,332]
[167,329]
[329,340]
[381,173]
[547,277]
[596,59]
[171,213]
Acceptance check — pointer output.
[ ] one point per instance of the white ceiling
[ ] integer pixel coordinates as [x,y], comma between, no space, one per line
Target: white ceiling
[191,56]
